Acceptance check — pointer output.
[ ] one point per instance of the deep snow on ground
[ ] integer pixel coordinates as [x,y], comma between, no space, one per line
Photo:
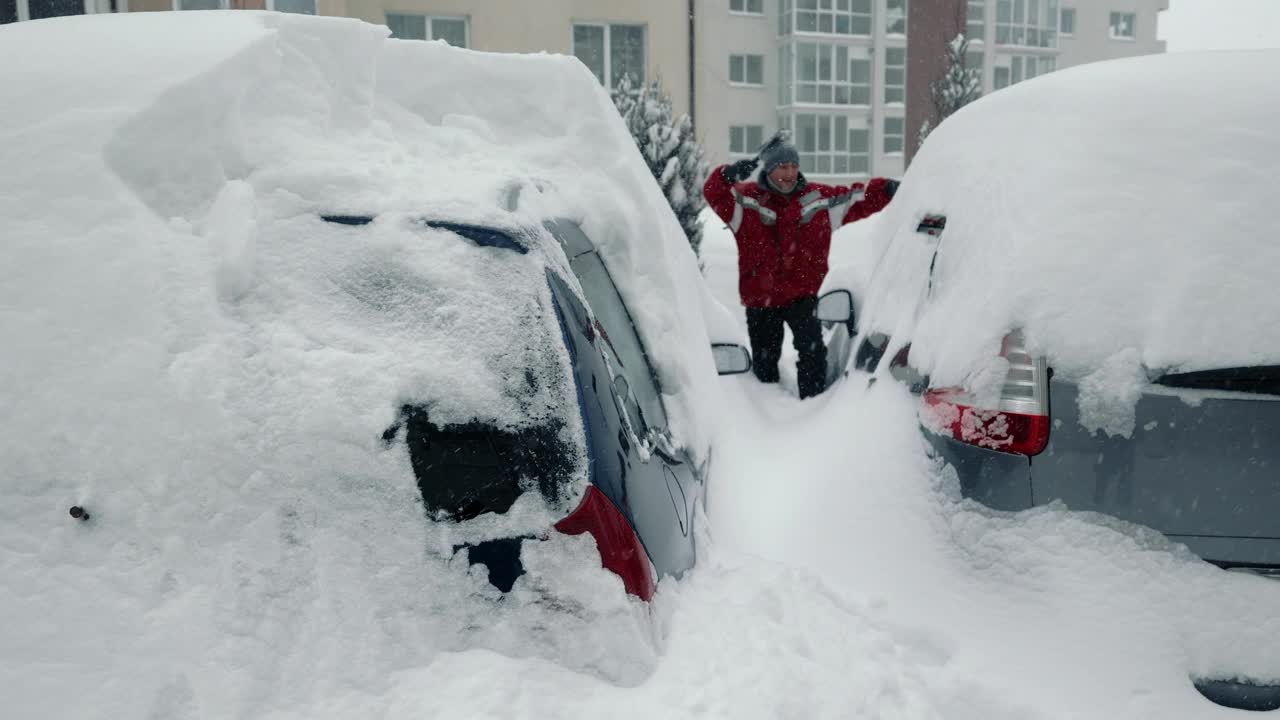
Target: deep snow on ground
[839,575]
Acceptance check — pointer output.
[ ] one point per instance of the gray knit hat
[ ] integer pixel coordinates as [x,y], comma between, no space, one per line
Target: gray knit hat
[779,151]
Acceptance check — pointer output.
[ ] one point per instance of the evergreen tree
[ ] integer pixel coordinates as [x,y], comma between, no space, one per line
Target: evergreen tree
[958,86]
[669,149]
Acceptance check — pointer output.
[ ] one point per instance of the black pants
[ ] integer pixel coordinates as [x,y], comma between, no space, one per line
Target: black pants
[764,327]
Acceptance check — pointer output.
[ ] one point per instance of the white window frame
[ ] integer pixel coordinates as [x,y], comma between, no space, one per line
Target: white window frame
[746,8]
[90,8]
[748,148]
[902,86]
[1019,63]
[829,10]
[745,80]
[1133,26]
[429,19]
[975,17]
[900,136]
[832,83]
[608,47]
[1062,14]
[888,20]
[1017,31]
[839,145]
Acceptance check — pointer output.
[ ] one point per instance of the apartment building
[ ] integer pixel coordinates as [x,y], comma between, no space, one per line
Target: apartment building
[832,71]
[645,39]
[835,72]
[1011,41]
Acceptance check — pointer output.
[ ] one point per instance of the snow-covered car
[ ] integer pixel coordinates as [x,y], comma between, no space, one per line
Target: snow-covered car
[1078,277]
[600,433]
[310,323]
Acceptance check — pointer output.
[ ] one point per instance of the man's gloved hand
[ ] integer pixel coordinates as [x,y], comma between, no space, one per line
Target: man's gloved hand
[741,170]
[891,188]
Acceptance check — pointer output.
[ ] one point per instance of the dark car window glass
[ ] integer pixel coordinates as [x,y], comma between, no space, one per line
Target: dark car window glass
[620,337]
[464,471]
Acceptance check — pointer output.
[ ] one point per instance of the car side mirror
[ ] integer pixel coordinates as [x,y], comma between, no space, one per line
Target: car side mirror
[835,307]
[730,359]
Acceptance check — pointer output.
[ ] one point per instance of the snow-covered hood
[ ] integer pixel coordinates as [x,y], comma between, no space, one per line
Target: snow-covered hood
[1115,206]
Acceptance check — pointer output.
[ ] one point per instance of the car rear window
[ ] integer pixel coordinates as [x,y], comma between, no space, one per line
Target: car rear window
[464,471]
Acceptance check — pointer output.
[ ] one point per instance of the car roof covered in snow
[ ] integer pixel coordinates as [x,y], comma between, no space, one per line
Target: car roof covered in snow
[153,156]
[1118,208]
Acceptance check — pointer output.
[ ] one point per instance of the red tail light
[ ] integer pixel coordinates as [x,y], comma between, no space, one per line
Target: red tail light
[1019,422]
[620,548]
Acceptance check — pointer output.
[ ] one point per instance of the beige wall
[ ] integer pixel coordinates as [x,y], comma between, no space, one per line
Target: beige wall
[528,26]
[720,103]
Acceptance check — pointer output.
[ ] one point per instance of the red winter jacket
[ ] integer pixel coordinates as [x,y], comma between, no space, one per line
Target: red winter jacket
[783,240]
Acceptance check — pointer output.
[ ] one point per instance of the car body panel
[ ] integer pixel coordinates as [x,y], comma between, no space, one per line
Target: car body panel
[1203,470]
[655,491]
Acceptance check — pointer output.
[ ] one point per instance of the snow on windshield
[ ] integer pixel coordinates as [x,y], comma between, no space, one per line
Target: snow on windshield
[1109,207]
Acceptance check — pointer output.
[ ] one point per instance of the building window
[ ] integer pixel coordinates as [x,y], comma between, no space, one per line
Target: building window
[745,139]
[825,74]
[748,7]
[976,20]
[200,4]
[301,7]
[1067,25]
[1023,67]
[894,135]
[746,69]
[828,146]
[12,11]
[1122,26]
[895,75]
[1001,79]
[974,60]
[895,17]
[423,27]
[837,17]
[1029,23]
[611,52]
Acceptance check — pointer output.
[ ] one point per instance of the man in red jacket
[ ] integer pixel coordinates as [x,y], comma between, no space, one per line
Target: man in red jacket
[783,226]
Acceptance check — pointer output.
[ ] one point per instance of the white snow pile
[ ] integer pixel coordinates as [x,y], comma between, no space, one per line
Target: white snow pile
[1111,207]
[199,360]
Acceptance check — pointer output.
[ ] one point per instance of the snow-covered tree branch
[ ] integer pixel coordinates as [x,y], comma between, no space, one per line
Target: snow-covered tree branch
[958,86]
[669,148]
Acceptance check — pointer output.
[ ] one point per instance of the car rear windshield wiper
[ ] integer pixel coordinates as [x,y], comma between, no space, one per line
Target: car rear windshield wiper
[482,236]
[348,219]
[1262,380]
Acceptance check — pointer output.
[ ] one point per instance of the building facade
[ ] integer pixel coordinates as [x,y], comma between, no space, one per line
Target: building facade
[831,71]
[1011,41]
[835,72]
[646,39]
